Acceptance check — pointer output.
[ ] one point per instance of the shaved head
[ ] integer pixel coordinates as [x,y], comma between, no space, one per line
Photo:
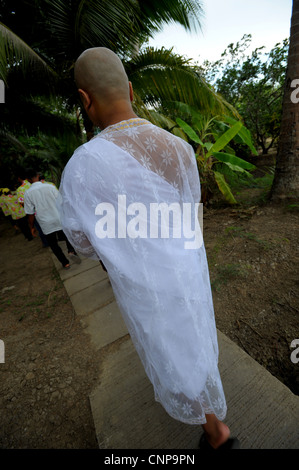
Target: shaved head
[100,73]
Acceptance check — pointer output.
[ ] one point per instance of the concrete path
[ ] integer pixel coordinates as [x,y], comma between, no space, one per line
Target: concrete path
[262,412]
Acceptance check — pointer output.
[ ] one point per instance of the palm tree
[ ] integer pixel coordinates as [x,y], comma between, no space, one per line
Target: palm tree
[286,180]
[14,50]
[162,78]
[64,29]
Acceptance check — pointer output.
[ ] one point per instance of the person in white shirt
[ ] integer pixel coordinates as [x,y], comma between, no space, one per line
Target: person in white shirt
[40,203]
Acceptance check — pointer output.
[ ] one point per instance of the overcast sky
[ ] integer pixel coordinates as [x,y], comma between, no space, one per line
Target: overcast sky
[226,21]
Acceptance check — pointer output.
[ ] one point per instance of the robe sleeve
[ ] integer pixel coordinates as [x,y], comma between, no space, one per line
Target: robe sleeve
[190,171]
[70,216]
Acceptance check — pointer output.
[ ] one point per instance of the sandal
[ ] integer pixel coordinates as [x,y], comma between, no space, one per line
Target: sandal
[231,443]
[67,266]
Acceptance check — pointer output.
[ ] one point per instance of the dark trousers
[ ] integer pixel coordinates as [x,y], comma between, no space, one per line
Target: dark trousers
[53,244]
[41,233]
[24,227]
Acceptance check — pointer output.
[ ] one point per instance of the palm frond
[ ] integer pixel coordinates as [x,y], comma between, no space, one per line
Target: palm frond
[188,13]
[14,51]
[89,23]
[7,136]
[161,76]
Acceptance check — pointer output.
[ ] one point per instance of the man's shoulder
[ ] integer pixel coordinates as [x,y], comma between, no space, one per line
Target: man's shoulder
[48,184]
[28,194]
[32,188]
[88,146]
[91,148]
[96,144]
[79,152]
[39,187]
[170,136]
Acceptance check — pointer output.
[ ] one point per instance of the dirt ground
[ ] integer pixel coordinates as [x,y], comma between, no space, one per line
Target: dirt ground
[50,364]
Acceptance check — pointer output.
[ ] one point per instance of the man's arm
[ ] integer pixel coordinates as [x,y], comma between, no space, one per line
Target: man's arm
[31,218]
[30,211]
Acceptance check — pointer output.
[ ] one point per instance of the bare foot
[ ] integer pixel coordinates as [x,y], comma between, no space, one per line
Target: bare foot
[220,437]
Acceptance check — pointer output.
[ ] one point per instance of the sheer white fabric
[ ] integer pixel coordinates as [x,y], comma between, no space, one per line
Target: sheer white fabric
[162,289]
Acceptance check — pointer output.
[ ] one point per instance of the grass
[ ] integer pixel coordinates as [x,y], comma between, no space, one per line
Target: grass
[240,232]
[221,274]
[226,273]
[39,301]
[292,207]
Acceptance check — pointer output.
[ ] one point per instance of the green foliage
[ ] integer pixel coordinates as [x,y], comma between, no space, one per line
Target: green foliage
[37,59]
[46,153]
[253,84]
[224,274]
[55,154]
[292,207]
[224,187]
[160,78]
[240,232]
[240,182]
[212,149]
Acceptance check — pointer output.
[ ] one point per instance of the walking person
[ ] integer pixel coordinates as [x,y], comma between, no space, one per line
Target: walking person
[40,203]
[18,214]
[5,208]
[25,184]
[163,289]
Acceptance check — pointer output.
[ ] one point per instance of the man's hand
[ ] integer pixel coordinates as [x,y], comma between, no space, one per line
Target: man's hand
[31,218]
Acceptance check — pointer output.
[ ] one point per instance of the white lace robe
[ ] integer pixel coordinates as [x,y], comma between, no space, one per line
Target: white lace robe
[162,289]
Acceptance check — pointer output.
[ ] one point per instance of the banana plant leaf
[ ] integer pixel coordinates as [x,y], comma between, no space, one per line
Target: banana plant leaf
[189,131]
[225,138]
[233,160]
[238,168]
[244,134]
[224,188]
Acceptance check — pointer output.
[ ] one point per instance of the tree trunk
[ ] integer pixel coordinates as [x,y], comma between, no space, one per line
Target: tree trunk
[286,179]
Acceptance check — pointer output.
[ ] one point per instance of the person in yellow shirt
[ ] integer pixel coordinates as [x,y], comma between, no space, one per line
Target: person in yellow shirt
[18,214]
[5,209]
[22,188]
[3,202]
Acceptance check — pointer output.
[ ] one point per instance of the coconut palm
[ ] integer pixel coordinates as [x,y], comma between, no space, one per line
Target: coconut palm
[62,30]
[37,56]
[14,50]
[65,29]
[162,78]
[286,179]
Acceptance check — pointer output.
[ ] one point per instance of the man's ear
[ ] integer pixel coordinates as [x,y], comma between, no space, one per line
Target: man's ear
[85,98]
[131,92]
